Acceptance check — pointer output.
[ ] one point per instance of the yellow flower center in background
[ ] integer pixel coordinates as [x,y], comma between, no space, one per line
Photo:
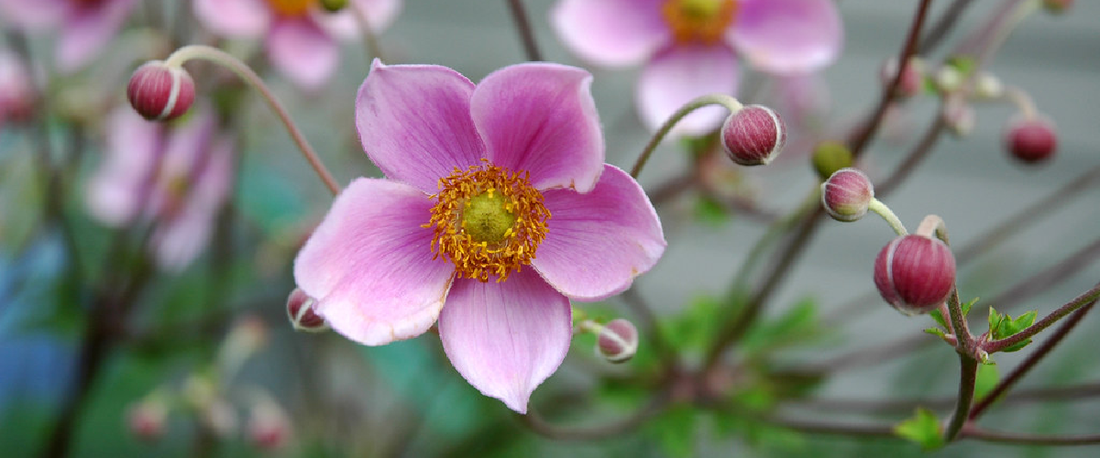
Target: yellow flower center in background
[698,21]
[488,221]
[292,8]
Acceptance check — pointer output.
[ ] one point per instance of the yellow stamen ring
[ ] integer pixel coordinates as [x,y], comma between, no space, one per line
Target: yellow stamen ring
[488,221]
[702,21]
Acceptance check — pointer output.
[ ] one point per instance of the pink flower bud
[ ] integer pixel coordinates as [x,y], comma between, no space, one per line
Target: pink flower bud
[847,194]
[753,135]
[1031,140]
[618,341]
[912,81]
[299,308]
[268,426]
[159,93]
[959,116]
[146,419]
[915,273]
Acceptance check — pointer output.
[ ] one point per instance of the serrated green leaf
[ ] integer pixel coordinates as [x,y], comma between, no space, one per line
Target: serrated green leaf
[938,317]
[923,429]
[1004,326]
[966,306]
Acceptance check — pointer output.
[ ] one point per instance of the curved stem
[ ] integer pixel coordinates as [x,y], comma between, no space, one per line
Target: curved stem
[732,104]
[217,56]
[519,15]
[1083,300]
[968,375]
[882,210]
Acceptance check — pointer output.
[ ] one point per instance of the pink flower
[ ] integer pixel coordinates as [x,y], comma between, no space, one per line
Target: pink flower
[16,92]
[299,35]
[690,47]
[497,203]
[85,26]
[176,174]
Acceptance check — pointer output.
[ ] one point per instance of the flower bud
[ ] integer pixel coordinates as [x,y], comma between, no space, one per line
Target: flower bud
[959,116]
[1031,140]
[847,194]
[912,81]
[915,273]
[617,341]
[988,86]
[158,92]
[146,419]
[333,6]
[753,135]
[299,308]
[268,426]
[830,156]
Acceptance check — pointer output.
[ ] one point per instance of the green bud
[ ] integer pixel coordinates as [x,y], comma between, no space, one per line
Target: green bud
[830,156]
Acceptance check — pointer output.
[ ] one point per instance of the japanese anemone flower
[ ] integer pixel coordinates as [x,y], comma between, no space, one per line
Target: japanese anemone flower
[177,174]
[496,210]
[299,36]
[691,47]
[85,27]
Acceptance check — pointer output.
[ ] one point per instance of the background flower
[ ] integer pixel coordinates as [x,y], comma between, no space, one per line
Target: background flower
[690,47]
[84,26]
[372,263]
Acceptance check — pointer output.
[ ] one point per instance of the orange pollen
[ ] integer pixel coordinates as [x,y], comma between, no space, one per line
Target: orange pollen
[699,21]
[291,8]
[488,221]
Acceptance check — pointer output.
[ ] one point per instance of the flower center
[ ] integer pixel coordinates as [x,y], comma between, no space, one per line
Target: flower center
[698,21]
[291,8]
[488,221]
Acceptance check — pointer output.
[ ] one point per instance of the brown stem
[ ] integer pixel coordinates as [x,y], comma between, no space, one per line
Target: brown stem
[938,31]
[1085,299]
[519,15]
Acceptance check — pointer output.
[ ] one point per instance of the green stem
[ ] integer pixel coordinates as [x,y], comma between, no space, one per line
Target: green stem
[887,215]
[219,57]
[732,104]
[968,368]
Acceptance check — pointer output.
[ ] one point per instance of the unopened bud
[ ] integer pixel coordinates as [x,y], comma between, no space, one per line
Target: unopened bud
[830,156]
[988,86]
[911,82]
[915,273]
[948,78]
[333,6]
[847,194]
[1031,140]
[959,116]
[268,426]
[146,419]
[753,135]
[617,341]
[299,308]
[158,92]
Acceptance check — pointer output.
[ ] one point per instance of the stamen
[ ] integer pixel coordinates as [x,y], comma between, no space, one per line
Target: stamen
[291,8]
[488,221]
[702,21]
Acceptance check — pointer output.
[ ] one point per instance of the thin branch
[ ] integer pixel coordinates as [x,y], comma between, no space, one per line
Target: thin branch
[938,31]
[546,429]
[1084,300]
[519,15]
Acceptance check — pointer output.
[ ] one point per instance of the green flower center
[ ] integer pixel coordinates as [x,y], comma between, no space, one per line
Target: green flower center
[486,217]
[701,21]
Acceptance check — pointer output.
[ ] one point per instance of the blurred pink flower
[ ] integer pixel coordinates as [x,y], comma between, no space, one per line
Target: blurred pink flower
[299,34]
[479,180]
[177,174]
[689,47]
[16,92]
[84,26]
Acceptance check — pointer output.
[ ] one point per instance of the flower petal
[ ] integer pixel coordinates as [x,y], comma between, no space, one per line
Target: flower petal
[234,18]
[87,30]
[34,14]
[598,242]
[679,74]
[611,32]
[129,157]
[414,122]
[506,338]
[303,51]
[784,36]
[369,264]
[379,13]
[541,118]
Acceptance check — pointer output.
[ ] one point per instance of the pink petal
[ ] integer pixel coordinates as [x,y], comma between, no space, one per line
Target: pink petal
[379,13]
[129,157]
[598,242]
[611,32]
[234,18]
[303,51]
[541,118]
[506,338]
[679,74]
[784,36]
[34,14]
[87,31]
[369,264]
[414,122]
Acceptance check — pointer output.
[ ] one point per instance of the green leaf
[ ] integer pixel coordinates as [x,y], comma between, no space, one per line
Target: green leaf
[988,377]
[1003,326]
[964,64]
[710,212]
[936,315]
[675,431]
[923,429]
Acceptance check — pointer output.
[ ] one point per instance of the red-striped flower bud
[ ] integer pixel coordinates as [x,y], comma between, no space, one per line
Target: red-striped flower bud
[847,194]
[912,80]
[617,341]
[1031,140]
[159,93]
[299,308]
[915,273]
[754,135]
